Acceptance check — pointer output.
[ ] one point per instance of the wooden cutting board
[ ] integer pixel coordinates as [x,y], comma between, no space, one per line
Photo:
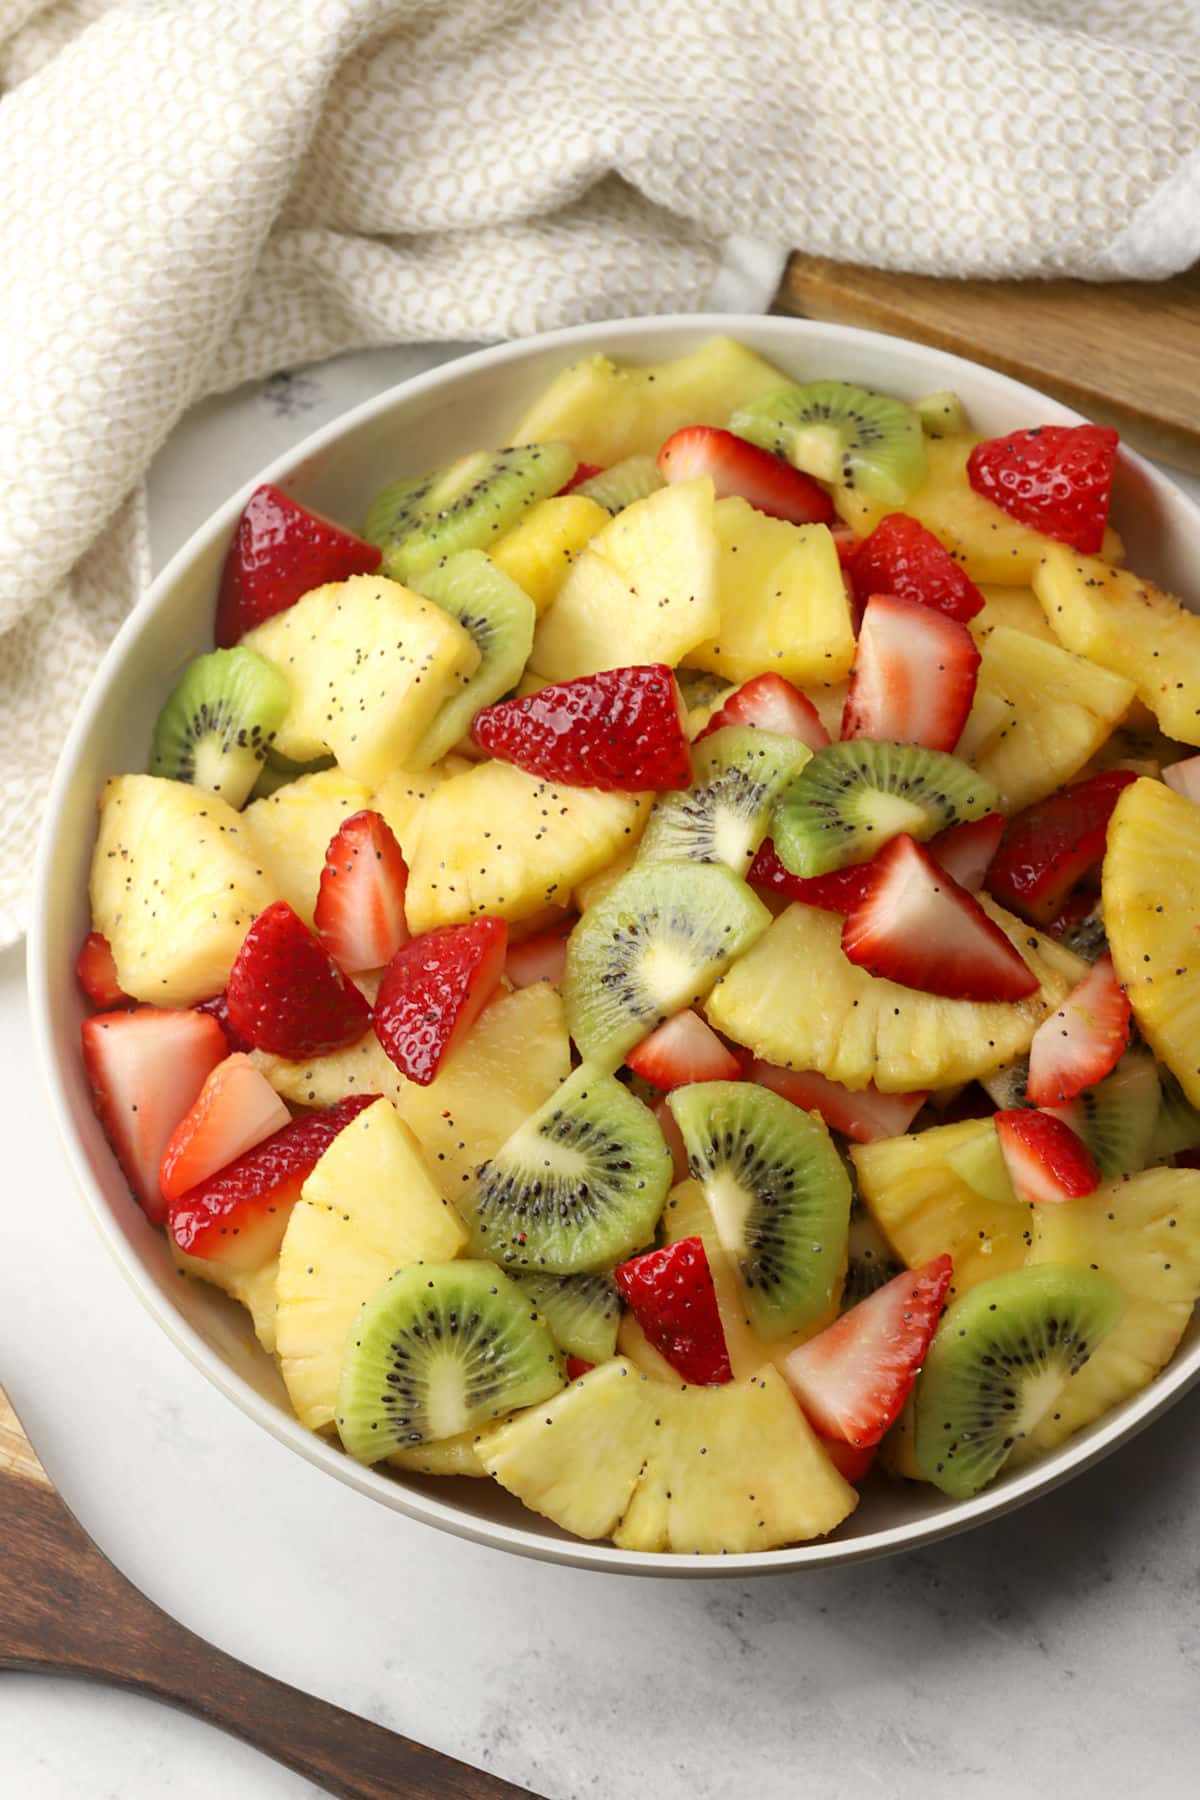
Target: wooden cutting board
[1126,353]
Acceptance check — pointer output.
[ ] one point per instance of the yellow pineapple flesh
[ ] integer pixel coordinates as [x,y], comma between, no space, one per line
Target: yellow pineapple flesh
[1016,607]
[291,829]
[400,799]
[459,1455]
[252,1288]
[537,553]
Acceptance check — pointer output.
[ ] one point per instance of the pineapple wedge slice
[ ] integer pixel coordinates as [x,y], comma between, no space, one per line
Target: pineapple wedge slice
[252,1288]
[672,1468]
[537,553]
[1017,607]
[1127,624]
[369,1207]
[401,799]
[176,883]
[291,829]
[446,1456]
[643,591]
[796,1000]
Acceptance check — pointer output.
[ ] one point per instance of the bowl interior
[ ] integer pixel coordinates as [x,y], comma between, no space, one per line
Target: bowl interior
[426,421]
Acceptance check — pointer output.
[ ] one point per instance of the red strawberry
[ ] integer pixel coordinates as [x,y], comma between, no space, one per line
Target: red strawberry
[901,557]
[965,851]
[1053,478]
[97,973]
[1184,777]
[1079,905]
[235,1109]
[359,913]
[853,1378]
[684,1049]
[1053,844]
[540,958]
[280,550]
[863,1116]
[852,1463]
[577,1366]
[238,1215]
[287,995]
[671,1295]
[583,472]
[218,1008]
[673,1138]
[1046,1161]
[146,1068]
[434,989]
[914,675]
[1083,1041]
[918,927]
[772,704]
[741,468]
[839,892]
[622,728]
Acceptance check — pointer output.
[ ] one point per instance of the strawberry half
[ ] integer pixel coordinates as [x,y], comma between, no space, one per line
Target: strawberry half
[1046,1161]
[621,729]
[965,851]
[671,1295]
[539,958]
[1054,478]
[434,989]
[915,925]
[235,1109]
[1047,849]
[853,1378]
[1083,1041]
[238,1216]
[281,550]
[863,1115]
[146,1068]
[96,973]
[286,995]
[852,1463]
[772,704]
[359,914]
[682,1050]
[914,676]
[901,557]
[839,892]
[736,467]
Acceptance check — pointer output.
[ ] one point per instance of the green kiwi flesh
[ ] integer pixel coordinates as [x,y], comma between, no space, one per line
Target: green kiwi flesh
[216,727]
[871,1261]
[1117,1119]
[841,433]
[739,773]
[700,688]
[582,1311]
[500,616]
[1001,1357]
[465,506]
[1177,1126]
[623,483]
[442,1348]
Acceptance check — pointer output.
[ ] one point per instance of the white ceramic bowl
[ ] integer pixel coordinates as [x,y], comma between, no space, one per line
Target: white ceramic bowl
[413,427]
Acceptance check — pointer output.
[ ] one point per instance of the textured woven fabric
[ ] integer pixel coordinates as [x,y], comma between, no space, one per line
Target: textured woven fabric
[197,192]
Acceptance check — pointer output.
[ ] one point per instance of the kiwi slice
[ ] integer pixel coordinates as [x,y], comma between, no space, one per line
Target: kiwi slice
[278,770]
[1118,1118]
[622,484]
[217,725]
[778,1193]
[650,946]
[582,1311]
[466,506]
[841,433]
[578,1186]
[870,1258]
[941,414]
[1008,1087]
[851,798]
[441,1349]
[1177,1126]
[1001,1357]
[739,773]
[500,616]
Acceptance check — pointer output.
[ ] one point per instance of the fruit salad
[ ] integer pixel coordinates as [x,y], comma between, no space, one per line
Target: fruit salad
[658,963]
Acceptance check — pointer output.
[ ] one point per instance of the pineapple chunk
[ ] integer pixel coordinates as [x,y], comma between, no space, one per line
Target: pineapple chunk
[643,591]
[796,1000]
[362,1068]
[253,1288]
[1144,1231]
[782,600]
[1017,607]
[608,413]
[594,887]
[498,840]
[990,544]
[291,829]
[369,663]
[1127,624]
[446,1456]
[537,553]
[617,1455]
[176,883]
[368,1207]
[1039,714]
[401,799]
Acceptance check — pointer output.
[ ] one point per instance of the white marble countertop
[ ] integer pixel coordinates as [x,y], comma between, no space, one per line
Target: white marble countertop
[1056,1651]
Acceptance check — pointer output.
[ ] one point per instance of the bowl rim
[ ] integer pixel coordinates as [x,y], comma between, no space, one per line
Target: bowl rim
[1060,1465]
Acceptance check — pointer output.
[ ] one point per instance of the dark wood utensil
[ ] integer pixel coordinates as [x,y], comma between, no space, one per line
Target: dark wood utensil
[65,1609]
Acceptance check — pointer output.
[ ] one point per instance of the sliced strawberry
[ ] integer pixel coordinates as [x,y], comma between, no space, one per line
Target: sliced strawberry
[772,704]
[96,973]
[146,1068]
[671,1295]
[673,1138]
[218,1008]
[918,927]
[1184,777]
[540,958]
[1046,1161]
[914,675]
[622,728]
[1083,1041]
[863,1116]
[853,1378]
[238,1215]
[685,1049]
[736,467]
[901,557]
[965,851]
[359,913]
[1054,478]
[434,989]
[583,472]
[235,1109]
[280,550]
[852,1463]
[577,1366]
[1047,849]
[286,995]
[839,892]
